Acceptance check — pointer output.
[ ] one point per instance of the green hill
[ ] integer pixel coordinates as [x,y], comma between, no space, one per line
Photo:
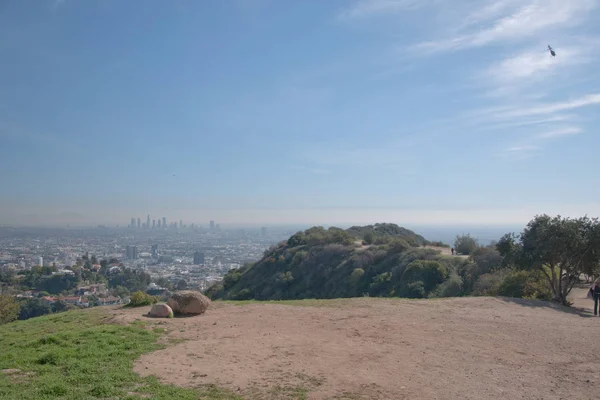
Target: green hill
[377,260]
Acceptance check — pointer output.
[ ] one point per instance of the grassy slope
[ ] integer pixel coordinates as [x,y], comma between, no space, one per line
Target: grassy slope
[75,355]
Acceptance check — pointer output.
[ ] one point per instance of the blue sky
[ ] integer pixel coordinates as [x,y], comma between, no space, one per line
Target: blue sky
[269,111]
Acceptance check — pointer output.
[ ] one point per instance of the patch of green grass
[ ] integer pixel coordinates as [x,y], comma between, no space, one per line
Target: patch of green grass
[292,393]
[75,355]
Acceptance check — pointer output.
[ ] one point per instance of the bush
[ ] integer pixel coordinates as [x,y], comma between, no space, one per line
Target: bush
[369,238]
[488,284]
[452,287]
[488,259]
[429,273]
[356,275]
[398,246]
[465,244]
[9,309]
[525,284]
[414,290]
[139,299]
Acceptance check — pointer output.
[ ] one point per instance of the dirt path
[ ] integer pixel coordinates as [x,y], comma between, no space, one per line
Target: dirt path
[466,348]
[446,251]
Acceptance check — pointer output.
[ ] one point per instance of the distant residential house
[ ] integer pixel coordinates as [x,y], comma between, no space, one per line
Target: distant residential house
[49,300]
[109,301]
[91,290]
[75,300]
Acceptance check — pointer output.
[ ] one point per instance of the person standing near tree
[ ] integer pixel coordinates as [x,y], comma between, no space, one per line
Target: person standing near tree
[595,291]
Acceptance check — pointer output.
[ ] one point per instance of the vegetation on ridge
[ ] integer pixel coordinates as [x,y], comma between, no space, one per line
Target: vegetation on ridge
[385,260]
[378,260]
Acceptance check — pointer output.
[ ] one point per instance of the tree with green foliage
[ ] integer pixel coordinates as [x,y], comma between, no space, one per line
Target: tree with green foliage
[9,309]
[139,299]
[525,284]
[182,285]
[487,258]
[562,249]
[430,273]
[56,284]
[120,291]
[31,308]
[398,245]
[369,238]
[465,244]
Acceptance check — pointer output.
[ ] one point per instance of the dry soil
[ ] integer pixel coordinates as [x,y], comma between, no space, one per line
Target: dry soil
[464,348]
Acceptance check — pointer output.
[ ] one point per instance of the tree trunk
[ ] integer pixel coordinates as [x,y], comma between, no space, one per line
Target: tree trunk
[553,284]
[560,285]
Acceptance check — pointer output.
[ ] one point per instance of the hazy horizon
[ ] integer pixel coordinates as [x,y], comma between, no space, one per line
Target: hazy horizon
[313,112]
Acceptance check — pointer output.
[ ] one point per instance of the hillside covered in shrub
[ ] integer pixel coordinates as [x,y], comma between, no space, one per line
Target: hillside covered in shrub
[383,260]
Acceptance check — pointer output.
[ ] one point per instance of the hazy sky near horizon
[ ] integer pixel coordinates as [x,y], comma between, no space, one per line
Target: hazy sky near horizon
[319,112]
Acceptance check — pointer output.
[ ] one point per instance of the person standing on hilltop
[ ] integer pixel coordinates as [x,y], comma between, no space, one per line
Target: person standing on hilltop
[452,250]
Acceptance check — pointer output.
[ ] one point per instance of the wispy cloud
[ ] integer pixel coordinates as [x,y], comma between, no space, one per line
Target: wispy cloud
[367,8]
[511,21]
[568,131]
[533,65]
[519,149]
[551,108]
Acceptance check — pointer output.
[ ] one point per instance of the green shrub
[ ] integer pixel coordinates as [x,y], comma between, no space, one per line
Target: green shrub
[398,246]
[465,244]
[414,290]
[451,287]
[9,309]
[525,284]
[356,275]
[488,284]
[139,299]
[429,273]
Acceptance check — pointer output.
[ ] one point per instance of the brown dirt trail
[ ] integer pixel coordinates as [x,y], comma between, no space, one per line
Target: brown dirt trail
[464,348]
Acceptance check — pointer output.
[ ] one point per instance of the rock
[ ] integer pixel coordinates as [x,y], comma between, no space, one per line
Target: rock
[161,311]
[188,302]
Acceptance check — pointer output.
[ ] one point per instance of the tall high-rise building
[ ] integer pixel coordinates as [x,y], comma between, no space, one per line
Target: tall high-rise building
[148,222]
[138,223]
[153,223]
[154,251]
[164,223]
[180,224]
[198,258]
[41,261]
[219,227]
[158,224]
[132,225]
[132,253]
[212,225]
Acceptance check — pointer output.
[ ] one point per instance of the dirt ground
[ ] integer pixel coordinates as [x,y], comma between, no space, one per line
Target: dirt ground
[464,348]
